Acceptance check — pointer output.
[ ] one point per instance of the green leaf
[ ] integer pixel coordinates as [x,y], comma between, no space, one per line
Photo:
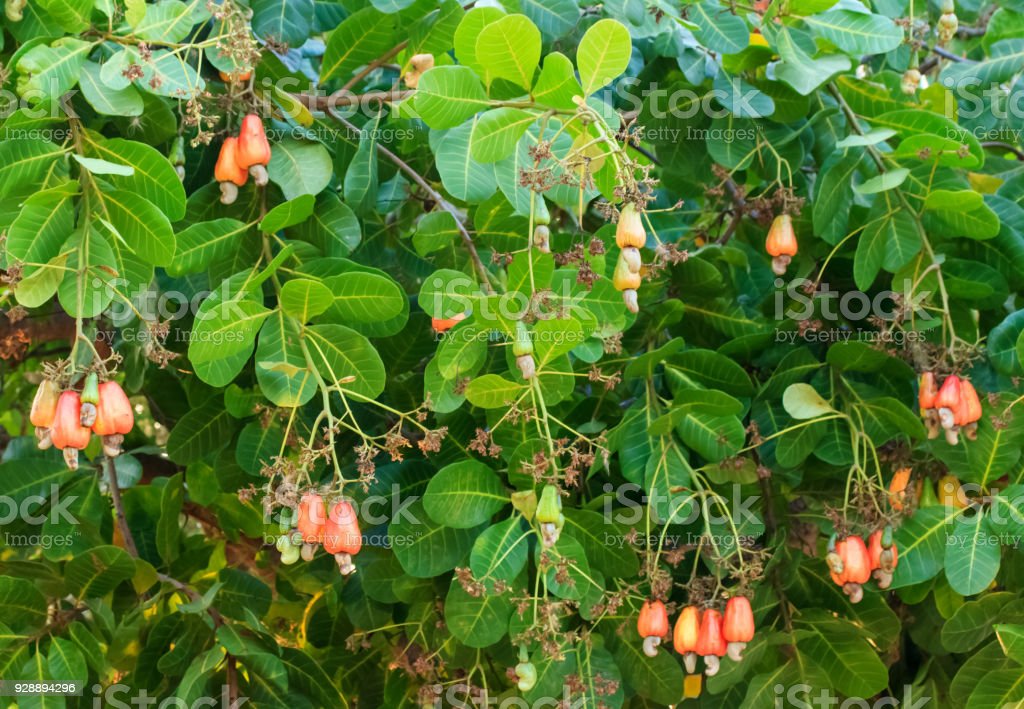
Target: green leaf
[358,40]
[436,230]
[801,71]
[972,559]
[333,227]
[465,179]
[203,430]
[1004,61]
[241,594]
[360,184]
[304,298]
[501,552]
[448,95]
[509,48]
[170,75]
[153,177]
[41,227]
[921,540]
[972,623]
[960,213]
[167,529]
[857,33]
[464,494]
[22,606]
[496,132]
[97,572]
[299,167]
[834,196]
[225,329]
[469,29]
[86,288]
[492,391]
[557,85]
[166,21]
[106,100]
[204,243]
[658,678]
[913,122]
[50,71]
[718,28]
[842,651]
[66,661]
[425,548]
[553,17]
[72,15]
[362,297]
[145,230]
[346,359]
[283,21]
[24,163]
[802,402]
[288,214]
[888,180]
[477,621]
[603,54]
[1003,344]
[282,371]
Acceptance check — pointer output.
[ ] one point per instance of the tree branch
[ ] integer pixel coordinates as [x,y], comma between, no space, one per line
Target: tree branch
[343,98]
[115,496]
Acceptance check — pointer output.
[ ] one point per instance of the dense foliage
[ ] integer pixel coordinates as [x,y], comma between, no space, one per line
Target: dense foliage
[578,319]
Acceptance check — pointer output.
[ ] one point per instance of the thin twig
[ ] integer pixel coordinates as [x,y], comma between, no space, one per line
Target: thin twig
[122,521]
[365,71]
[1000,145]
[343,98]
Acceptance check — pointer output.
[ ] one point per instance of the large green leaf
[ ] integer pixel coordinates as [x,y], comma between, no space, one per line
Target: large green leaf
[97,572]
[300,167]
[346,359]
[857,32]
[448,95]
[358,40]
[464,494]
[477,620]
[282,370]
[425,548]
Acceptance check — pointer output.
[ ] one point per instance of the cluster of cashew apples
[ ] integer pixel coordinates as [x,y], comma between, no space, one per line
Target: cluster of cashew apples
[630,238]
[852,562]
[241,156]
[334,526]
[67,419]
[952,408]
[708,633]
